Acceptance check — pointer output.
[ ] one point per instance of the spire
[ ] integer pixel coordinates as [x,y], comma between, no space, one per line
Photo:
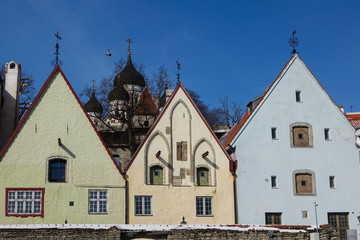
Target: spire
[293,42]
[93,87]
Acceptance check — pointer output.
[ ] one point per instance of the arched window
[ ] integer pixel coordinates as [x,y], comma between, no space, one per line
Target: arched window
[301,135]
[304,182]
[57,170]
[156,175]
[202,174]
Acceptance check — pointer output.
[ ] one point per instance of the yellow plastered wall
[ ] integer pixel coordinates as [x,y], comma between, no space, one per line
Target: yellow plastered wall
[57,114]
[181,122]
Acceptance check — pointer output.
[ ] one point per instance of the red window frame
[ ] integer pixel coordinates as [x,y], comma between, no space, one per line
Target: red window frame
[41,214]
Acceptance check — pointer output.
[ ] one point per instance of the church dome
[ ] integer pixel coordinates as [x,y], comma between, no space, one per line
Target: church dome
[93,105]
[119,93]
[129,75]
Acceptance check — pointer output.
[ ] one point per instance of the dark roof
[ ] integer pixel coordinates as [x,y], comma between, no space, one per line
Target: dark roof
[93,105]
[129,75]
[119,93]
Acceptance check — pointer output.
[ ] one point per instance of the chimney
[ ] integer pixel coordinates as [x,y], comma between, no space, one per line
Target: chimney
[10,108]
[157,100]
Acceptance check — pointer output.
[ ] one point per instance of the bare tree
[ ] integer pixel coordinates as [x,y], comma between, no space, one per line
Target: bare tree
[232,112]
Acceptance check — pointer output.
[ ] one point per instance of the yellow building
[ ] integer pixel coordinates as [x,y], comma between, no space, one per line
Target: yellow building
[180,170]
[55,167]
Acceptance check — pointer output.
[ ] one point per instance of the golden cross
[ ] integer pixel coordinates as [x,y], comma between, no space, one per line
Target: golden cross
[93,88]
[129,49]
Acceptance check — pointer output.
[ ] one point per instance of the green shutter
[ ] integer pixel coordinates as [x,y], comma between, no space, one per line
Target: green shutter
[203,177]
[156,175]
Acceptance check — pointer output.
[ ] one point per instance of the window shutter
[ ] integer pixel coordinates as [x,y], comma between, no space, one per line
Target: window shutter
[178,150]
[184,151]
[303,183]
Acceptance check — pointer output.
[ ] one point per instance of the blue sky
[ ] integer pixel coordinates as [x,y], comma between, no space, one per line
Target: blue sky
[226,48]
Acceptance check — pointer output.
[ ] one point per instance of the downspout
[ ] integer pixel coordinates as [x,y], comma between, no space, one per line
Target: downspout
[235,191]
[126,200]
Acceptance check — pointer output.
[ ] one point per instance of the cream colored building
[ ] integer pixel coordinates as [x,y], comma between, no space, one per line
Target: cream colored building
[180,170]
[55,168]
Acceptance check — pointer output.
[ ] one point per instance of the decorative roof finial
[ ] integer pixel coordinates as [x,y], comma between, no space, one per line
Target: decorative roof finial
[293,42]
[129,49]
[178,71]
[166,81]
[57,48]
[93,88]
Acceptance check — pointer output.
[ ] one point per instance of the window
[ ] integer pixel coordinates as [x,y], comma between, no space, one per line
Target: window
[301,135]
[273,182]
[143,205]
[156,175]
[204,206]
[273,218]
[57,170]
[181,151]
[202,176]
[340,221]
[25,202]
[298,96]
[332,181]
[304,214]
[304,182]
[327,133]
[98,202]
[273,133]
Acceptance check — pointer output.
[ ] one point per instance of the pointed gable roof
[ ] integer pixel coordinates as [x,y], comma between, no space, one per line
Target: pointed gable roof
[146,105]
[41,93]
[178,87]
[232,133]
[354,119]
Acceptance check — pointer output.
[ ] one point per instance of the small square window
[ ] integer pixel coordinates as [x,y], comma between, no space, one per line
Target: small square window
[156,173]
[327,133]
[332,181]
[300,136]
[298,96]
[304,214]
[303,183]
[71,203]
[273,181]
[273,133]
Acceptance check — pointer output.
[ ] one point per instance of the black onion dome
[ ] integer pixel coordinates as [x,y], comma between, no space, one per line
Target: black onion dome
[129,75]
[93,105]
[119,93]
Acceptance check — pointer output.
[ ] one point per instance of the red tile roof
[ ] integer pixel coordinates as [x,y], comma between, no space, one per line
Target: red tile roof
[146,105]
[354,119]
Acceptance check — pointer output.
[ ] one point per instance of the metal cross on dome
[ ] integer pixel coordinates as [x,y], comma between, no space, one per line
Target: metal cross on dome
[293,42]
[93,88]
[129,49]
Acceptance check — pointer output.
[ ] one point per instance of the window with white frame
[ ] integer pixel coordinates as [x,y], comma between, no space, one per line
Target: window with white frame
[25,202]
[98,201]
[143,205]
[204,206]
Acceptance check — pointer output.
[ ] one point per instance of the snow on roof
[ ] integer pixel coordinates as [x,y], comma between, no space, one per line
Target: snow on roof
[145,228]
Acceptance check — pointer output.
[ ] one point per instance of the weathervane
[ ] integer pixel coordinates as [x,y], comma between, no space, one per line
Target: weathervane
[129,49]
[57,48]
[178,71]
[293,42]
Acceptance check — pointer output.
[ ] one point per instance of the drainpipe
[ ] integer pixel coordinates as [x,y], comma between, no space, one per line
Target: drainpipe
[126,201]
[234,163]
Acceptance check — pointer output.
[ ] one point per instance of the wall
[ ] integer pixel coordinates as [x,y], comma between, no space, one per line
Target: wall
[260,157]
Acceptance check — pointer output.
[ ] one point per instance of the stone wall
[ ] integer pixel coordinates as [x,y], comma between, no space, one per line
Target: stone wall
[64,233]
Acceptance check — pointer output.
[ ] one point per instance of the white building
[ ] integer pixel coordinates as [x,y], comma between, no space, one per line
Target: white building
[295,147]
